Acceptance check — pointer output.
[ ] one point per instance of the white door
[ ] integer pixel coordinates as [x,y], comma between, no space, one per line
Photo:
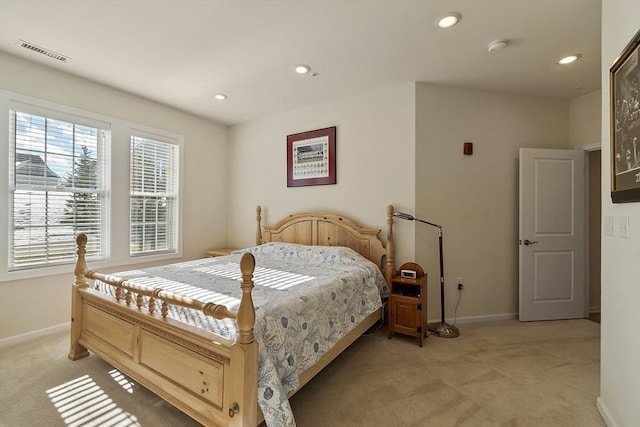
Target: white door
[551,240]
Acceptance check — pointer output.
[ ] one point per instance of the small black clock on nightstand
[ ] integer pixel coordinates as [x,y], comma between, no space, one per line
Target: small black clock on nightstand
[408,302]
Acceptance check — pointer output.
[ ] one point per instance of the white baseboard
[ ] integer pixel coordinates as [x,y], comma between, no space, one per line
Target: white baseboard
[594,309]
[486,318]
[5,342]
[479,319]
[604,413]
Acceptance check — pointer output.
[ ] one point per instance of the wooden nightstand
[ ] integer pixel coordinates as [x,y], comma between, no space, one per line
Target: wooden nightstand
[219,252]
[408,303]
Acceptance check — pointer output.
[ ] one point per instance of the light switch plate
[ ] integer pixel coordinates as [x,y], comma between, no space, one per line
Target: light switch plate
[609,225]
[623,226]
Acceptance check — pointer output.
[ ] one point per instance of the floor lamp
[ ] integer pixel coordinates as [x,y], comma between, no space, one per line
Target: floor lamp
[442,329]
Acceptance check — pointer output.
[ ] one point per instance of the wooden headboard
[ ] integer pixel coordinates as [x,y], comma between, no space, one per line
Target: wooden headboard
[328,229]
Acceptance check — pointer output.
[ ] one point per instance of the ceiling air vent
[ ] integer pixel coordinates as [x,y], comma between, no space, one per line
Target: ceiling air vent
[43,51]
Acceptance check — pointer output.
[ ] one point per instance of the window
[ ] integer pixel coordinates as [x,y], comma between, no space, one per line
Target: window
[67,171]
[153,199]
[56,187]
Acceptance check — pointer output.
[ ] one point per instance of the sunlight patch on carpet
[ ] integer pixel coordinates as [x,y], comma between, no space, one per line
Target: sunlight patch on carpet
[81,402]
[123,381]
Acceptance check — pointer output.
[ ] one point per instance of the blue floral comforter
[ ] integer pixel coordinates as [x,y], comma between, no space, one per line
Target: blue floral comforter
[306,297]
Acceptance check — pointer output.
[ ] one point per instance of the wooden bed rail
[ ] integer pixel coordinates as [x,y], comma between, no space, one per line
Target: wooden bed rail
[130,290]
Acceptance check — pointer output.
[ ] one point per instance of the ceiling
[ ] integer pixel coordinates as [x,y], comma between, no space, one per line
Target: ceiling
[182,52]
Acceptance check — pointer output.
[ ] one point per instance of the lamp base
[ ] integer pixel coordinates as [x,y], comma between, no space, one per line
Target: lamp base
[444,330]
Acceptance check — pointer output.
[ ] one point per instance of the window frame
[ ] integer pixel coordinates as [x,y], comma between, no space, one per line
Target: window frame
[166,139]
[14,187]
[117,187]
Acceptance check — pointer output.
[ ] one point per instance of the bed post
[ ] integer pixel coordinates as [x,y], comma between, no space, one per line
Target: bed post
[77,351]
[259,226]
[246,317]
[243,410]
[390,267]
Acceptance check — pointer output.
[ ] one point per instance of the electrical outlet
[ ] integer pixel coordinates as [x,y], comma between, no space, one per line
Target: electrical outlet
[460,284]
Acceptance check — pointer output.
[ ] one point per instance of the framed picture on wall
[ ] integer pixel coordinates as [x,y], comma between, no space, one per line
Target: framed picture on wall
[625,124]
[311,158]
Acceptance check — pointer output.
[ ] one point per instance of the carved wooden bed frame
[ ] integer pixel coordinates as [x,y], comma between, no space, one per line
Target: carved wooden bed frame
[210,378]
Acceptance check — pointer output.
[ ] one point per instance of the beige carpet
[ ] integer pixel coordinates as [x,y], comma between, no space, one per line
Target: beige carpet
[495,374]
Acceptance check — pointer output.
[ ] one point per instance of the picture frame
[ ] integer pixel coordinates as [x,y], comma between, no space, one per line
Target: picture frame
[624,84]
[311,158]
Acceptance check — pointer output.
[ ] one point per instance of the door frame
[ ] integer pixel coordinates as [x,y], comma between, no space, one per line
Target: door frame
[587,148]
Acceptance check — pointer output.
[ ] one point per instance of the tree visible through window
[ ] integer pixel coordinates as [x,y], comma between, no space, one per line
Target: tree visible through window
[83,208]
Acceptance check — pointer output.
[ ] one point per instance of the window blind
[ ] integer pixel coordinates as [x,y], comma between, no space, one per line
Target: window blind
[153,201]
[57,189]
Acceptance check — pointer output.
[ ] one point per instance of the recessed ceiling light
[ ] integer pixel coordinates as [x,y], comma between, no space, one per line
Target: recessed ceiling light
[449,20]
[220,96]
[302,69]
[569,59]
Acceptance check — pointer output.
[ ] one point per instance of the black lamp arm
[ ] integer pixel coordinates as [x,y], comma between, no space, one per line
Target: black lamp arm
[410,217]
[430,223]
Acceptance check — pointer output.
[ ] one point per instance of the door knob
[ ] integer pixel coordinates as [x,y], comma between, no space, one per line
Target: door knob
[528,242]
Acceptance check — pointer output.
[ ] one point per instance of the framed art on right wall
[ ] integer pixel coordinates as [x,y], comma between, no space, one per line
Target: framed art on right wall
[625,124]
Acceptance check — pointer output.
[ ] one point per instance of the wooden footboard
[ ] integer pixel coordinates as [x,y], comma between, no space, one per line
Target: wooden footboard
[212,379]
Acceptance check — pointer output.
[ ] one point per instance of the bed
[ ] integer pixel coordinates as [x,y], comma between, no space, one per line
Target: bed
[211,377]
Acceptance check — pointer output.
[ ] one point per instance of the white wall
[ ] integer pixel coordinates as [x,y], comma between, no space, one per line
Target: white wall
[585,126]
[475,197]
[619,401]
[375,150]
[33,304]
